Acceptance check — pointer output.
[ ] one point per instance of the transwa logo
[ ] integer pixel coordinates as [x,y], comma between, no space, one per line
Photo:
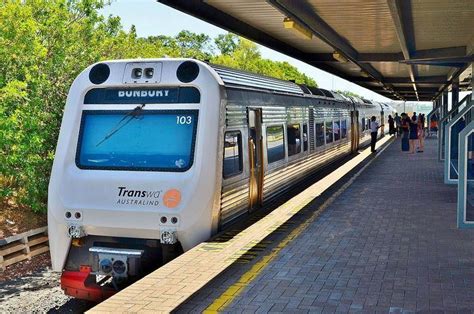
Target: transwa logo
[138,197]
[171,198]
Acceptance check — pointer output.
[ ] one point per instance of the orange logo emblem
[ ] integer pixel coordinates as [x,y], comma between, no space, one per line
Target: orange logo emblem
[172,198]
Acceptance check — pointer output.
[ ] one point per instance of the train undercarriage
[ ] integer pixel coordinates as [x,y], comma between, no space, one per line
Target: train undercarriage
[97,267]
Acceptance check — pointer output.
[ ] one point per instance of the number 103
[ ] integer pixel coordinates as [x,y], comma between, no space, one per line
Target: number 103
[184,119]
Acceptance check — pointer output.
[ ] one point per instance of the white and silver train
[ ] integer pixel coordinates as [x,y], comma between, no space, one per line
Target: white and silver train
[156,156]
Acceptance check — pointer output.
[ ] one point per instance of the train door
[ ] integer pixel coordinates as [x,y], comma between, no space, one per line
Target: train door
[354,131]
[255,157]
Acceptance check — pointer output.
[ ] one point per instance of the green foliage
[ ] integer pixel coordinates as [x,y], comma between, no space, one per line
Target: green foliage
[348,93]
[45,44]
[226,43]
[240,53]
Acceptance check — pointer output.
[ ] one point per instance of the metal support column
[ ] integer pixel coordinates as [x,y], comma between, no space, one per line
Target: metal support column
[451,146]
[465,212]
[443,120]
[455,95]
[445,104]
[433,115]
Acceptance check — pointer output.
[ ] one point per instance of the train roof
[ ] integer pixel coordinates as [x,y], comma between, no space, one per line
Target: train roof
[238,78]
[249,80]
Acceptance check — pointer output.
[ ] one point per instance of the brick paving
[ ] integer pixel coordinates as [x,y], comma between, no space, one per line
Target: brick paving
[387,244]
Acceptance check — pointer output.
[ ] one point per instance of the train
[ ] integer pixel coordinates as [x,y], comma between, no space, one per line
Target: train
[155,156]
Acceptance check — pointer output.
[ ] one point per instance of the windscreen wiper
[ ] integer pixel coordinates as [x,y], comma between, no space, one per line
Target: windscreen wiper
[135,113]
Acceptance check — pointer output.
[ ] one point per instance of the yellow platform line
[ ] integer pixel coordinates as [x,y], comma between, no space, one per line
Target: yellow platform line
[228,296]
[172,284]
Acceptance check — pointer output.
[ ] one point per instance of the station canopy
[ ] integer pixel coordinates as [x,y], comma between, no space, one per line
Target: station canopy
[402,49]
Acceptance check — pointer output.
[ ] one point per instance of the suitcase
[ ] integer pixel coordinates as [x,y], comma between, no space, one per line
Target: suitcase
[405,144]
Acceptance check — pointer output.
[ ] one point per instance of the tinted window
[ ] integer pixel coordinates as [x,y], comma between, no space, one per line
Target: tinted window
[294,139]
[363,124]
[329,134]
[343,128]
[275,143]
[149,140]
[232,153]
[336,130]
[319,134]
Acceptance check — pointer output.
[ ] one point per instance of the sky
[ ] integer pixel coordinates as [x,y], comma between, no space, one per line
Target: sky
[153,18]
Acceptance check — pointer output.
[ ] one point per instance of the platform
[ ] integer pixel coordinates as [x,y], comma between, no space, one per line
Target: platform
[386,240]
[388,243]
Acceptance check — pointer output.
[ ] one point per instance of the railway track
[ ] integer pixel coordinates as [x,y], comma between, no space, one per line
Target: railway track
[38,292]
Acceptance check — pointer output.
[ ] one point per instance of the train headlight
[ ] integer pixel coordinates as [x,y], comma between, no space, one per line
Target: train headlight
[168,237]
[105,266]
[119,267]
[137,73]
[149,72]
[187,71]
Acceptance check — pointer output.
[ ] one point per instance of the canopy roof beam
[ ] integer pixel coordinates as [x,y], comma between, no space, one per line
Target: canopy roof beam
[403,80]
[403,21]
[429,54]
[455,62]
[303,13]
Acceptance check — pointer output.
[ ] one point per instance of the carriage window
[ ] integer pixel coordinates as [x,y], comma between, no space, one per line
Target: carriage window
[275,143]
[329,138]
[305,137]
[343,128]
[336,130]
[363,124]
[294,139]
[319,134]
[232,153]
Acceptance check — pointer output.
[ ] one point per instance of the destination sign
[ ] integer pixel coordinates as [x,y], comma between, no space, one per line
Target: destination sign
[142,95]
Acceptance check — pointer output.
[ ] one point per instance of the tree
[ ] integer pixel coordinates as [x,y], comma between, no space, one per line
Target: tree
[246,56]
[226,43]
[192,45]
[348,93]
[45,44]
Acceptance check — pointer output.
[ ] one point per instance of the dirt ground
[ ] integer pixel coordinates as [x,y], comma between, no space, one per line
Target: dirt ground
[31,287]
[15,219]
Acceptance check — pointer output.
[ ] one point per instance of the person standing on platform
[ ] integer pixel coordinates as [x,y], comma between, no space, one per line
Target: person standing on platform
[405,129]
[391,125]
[413,134]
[398,123]
[374,127]
[421,133]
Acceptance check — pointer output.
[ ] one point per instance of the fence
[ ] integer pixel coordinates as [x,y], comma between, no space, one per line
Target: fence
[23,246]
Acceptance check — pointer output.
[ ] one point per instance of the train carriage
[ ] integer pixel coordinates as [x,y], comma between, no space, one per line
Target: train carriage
[155,156]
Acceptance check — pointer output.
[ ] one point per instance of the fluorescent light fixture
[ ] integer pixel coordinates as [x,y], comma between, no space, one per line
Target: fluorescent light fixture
[364,73]
[299,29]
[339,57]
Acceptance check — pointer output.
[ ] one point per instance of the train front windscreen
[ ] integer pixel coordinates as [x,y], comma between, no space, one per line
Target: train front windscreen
[140,139]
